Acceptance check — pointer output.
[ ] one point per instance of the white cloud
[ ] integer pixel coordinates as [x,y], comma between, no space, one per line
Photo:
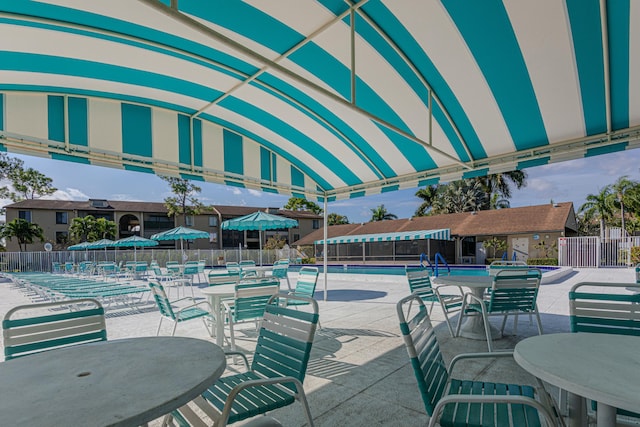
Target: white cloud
[68,194]
[123,197]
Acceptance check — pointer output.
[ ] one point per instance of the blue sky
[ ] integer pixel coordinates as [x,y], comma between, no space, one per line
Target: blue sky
[560,182]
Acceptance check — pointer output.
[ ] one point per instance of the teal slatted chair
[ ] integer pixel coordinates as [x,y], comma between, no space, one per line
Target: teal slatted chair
[281,271]
[606,308]
[186,278]
[452,402]
[29,329]
[420,284]
[249,302]
[233,268]
[195,310]
[306,284]
[512,292]
[276,373]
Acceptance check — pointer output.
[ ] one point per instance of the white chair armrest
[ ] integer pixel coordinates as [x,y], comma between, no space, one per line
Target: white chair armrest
[224,416]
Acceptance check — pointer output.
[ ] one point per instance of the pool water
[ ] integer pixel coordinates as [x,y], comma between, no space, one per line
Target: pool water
[399,270]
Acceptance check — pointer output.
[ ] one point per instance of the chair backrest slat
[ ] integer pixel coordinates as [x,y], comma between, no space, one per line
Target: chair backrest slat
[307,281]
[83,323]
[251,298]
[420,283]
[162,301]
[515,289]
[285,340]
[424,352]
[611,308]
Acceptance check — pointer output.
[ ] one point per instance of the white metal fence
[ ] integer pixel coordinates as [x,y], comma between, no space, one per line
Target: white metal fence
[42,261]
[592,251]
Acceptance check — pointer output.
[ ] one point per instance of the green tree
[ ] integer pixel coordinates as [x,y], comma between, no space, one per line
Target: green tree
[104,229]
[336,219]
[29,184]
[184,202]
[24,231]
[495,244]
[599,207]
[275,242]
[7,166]
[500,184]
[381,214]
[624,196]
[300,204]
[428,195]
[459,196]
[88,228]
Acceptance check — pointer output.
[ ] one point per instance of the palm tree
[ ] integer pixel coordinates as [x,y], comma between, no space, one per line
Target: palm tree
[381,214]
[621,188]
[500,183]
[428,195]
[459,196]
[336,219]
[24,231]
[81,227]
[599,206]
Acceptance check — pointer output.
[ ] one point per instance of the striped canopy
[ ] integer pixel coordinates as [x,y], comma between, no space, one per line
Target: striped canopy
[321,99]
[442,234]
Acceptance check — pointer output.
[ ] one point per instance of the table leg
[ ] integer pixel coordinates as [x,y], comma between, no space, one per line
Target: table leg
[473,326]
[219,313]
[577,410]
[606,415]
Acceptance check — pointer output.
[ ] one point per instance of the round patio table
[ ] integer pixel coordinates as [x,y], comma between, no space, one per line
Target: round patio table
[600,367]
[125,382]
[472,326]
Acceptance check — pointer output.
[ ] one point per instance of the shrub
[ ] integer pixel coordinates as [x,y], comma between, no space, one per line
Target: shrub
[542,261]
[635,254]
[308,260]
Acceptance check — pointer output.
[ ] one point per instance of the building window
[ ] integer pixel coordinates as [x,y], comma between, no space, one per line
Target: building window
[213,221]
[296,237]
[62,217]
[62,237]
[316,224]
[188,221]
[26,215]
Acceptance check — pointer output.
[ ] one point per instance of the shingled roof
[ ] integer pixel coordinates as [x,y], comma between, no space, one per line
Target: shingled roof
[529,219]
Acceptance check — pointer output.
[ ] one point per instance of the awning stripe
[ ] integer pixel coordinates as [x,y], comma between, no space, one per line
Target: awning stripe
[441,234]
[542,99]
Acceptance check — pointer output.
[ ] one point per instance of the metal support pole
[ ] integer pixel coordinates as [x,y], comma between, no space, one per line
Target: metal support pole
[324,246]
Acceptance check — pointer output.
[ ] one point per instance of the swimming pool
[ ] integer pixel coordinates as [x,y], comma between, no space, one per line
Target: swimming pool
[399,270]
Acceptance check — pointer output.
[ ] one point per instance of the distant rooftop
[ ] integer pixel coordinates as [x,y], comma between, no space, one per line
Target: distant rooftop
[530,219]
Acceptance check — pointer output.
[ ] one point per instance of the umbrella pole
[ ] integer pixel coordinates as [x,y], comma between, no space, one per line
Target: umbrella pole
[260,244]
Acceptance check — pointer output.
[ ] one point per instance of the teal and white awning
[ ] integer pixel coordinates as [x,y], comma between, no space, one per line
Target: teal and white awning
[442,234]
[324,99]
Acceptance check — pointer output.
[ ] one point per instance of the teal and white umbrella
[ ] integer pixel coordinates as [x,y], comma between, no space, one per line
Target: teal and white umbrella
[181,233]
[259,221]
[135,242]
[82,246]
[101,244]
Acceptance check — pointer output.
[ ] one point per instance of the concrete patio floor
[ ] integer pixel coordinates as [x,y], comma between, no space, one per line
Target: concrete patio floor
[359,374]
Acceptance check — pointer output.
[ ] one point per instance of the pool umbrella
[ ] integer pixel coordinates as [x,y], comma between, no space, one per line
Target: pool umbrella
[100,244]
[259,221]
[82,246]
[181,233]
[135,242]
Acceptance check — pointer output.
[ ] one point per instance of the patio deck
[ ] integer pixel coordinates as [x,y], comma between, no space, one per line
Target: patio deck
[359,374]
